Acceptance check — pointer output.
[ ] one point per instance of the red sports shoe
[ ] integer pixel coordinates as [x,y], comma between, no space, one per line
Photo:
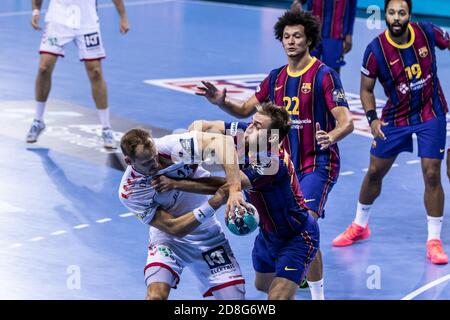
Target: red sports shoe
[435,252]
[353,233]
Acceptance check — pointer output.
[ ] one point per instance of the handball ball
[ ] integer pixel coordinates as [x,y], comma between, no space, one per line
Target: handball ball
[244,222]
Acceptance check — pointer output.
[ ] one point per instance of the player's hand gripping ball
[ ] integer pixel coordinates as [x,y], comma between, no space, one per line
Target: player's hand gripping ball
[244,221]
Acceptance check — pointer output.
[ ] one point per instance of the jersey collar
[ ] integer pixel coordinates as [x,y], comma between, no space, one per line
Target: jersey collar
[402,46]
[303,71]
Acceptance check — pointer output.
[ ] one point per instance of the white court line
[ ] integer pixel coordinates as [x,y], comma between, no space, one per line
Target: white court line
[430,285]
[365,169]
[134,3]
[59,232]
[36,239]
[346,173]
[126,215]
[81,226]
[16,245]
[239,6]
[412,161]
[103,220]
[395,165]
[7,207]
[100,6]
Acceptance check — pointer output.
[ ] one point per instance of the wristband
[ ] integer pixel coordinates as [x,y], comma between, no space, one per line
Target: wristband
[371,116]
[36,12]
[203,212]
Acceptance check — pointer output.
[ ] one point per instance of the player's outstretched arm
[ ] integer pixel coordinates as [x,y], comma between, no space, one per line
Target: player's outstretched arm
[221,148]
[36,5]
[204,185]
[369,105]
[124,25]
[219,98]
[185,224]
[208,126]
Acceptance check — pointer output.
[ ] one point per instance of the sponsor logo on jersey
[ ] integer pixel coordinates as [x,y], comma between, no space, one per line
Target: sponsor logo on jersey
[234,128]
[187,145]
[339,96]
[403,88]
[394,62]
[152,250]
[365,71]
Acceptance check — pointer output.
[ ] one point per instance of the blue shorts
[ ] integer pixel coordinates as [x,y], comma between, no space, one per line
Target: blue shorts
[289,257]
[315,187]
[431,136]
[330,52]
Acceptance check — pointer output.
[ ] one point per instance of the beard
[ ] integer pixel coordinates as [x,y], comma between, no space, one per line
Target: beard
[399,32]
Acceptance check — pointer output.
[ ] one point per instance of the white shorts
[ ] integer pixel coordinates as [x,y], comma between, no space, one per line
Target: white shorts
[211,261]
[88,41]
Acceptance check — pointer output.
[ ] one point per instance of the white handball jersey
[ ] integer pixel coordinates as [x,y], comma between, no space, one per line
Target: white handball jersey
[75,14]
[137,194]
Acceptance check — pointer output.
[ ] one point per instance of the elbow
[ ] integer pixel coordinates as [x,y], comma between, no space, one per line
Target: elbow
[175,230]
[179,232]
[246,113]
[243,115]
[197,125]
[350,126]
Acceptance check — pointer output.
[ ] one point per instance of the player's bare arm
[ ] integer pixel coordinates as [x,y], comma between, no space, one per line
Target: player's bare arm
[184,224]
[219,98]
[369,105]
[206,185]
[343,128]
[223,149]
[208,126]
[120,7]
[36,5]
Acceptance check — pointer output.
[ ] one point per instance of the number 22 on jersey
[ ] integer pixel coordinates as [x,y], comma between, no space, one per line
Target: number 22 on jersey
[292,105]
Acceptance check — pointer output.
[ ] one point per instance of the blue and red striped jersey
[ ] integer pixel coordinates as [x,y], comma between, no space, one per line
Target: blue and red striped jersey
[276,195]
[408,74]
[308,96]
[336,16]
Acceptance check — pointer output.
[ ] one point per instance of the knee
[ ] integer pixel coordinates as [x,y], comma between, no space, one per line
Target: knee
[261,286]
[432,178]
[157,293]
[448,164]
[374,173]
[278,295]
[44,69]
[95,73]
[156,296]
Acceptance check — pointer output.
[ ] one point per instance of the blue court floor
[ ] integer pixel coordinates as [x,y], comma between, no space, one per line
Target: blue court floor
[64,233]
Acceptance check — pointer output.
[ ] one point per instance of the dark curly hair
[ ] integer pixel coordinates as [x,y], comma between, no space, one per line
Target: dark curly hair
[306,19]
[409,2]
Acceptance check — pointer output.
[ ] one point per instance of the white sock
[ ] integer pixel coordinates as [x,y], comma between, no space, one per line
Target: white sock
[40,108]
[103,115]
[316,288]
[362,214]
[434,227]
